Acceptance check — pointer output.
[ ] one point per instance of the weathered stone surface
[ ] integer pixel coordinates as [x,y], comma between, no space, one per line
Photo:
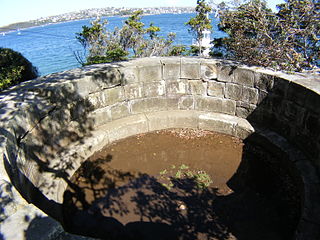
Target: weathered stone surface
[101,116]
[129,74]
[186,103]
[190,68]
[263,81]
[114,95]
[216,89]
[213,104]
[96,81]
[154,89]
[107,97]
[179,87]
[119,110]
[233,91]
[244,109]
[243,128]
[7,203]
[313,102]
[172,103]
[293,113]
[244,77]
[250,95]
[171,69]
[197,87]
[17,226]
[149,105]
[172,119]
[225,73]
[208,70]
[149,73]
[134,91]
[217,122]
[311,211]
[129,126]
[262,95]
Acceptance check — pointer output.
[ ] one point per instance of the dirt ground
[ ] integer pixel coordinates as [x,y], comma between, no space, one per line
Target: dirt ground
[147,187]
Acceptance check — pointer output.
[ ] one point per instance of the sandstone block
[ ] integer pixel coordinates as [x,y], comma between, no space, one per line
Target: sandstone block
[225,73]
[133,91]
[213,104]
[197,87]
[125,127]
[151,73]
[101,116]
[244,109]
[250,95]
[263,81]
[154,89]
[208,70]
[172,119]
[244,77]
[233,91]
[190,68]
[129,74]
[216,89]
[175,88]
[172,103]
[148,105]
[186,103]
[171,69]
[114,95]
[217,122]
[119,110]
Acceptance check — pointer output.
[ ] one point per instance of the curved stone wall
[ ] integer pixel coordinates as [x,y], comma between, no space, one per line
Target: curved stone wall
[50,125]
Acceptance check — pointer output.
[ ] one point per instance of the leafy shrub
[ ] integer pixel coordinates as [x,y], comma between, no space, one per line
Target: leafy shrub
[14,68]
[287,40]
[178,50]
[133,39]
[169,176]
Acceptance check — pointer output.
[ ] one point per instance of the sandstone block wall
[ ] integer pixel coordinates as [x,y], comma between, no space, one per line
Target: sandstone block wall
[50,125]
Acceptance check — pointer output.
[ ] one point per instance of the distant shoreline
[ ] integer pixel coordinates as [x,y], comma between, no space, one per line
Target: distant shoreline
[90,14]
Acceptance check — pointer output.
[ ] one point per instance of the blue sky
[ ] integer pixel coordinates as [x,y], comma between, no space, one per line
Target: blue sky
[12,11]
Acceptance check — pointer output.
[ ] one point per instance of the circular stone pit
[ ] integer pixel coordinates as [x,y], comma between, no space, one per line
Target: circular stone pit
[51,125]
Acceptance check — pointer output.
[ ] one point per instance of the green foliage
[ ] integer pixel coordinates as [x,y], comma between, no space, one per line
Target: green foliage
[93,37]
[195,50]
[178,50]
[14,68]
[133,37]
[200,22]
[173,174]
[134,21]
[287,40]
[152,30]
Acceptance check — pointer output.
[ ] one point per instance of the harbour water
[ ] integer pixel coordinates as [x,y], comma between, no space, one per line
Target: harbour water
[51,48]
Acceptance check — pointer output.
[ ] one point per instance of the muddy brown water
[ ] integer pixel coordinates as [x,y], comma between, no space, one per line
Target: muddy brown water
[145,187]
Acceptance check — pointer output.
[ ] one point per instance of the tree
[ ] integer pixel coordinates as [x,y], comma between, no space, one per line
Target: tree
[287,40]
[132,38]
[200,22]
[14,68]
